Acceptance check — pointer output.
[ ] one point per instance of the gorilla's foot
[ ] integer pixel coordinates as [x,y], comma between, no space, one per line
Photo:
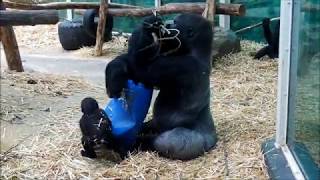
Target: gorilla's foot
[184,144]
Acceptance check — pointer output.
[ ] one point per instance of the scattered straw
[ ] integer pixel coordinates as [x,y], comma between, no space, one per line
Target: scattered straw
[47,84]
[111,49]
[243,105]
[44,38]
[39,36]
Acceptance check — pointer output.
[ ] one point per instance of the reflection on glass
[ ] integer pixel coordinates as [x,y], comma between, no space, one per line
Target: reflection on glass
[304,107]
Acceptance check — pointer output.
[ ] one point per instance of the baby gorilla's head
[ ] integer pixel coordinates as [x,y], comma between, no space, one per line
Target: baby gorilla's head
[89,105]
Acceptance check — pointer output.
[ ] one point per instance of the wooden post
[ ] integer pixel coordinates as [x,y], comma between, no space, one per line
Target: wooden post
[210,11]
[101,26]
[10,46]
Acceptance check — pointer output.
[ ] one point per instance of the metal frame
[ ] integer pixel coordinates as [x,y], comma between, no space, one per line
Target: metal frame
[224,20]
[157,3]
[69,12]
[288,50]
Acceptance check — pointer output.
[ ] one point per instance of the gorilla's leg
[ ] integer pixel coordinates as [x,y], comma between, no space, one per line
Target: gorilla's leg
[182,143]
[88,148]
[262,52]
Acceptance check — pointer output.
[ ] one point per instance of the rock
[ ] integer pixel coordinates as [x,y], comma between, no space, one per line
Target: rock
[224,42]
[32,81]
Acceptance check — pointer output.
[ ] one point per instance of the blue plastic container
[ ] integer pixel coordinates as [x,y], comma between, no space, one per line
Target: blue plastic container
[127,114]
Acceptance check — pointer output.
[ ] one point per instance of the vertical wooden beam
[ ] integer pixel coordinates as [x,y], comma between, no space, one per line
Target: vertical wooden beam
[210,11]
[101,26]
[10,46]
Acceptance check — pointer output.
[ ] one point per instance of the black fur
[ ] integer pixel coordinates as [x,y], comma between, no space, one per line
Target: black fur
[182,126]
[272,49]
[95,127]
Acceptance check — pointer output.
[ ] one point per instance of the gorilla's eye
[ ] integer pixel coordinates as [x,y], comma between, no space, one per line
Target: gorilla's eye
[190,32]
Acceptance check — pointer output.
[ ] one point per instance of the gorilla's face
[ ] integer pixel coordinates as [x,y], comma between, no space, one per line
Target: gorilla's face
[195,32]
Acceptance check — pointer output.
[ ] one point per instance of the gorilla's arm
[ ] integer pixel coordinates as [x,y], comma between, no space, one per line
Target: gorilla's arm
[142,46]
[267,31]
[272,49]
[116,75]
[275,40]
[143,43]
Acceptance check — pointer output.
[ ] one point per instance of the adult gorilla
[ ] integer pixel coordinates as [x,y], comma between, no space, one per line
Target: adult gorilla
[182,125]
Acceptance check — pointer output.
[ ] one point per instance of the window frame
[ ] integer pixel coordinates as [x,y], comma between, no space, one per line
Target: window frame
[288,56]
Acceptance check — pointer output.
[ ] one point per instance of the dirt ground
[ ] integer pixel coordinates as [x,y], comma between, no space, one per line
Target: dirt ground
[46,107]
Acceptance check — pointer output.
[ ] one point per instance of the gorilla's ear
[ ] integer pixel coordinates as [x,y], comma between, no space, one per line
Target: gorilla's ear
[190,32]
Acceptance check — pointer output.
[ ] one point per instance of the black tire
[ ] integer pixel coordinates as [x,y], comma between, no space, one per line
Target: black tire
[72,36]
[90,26]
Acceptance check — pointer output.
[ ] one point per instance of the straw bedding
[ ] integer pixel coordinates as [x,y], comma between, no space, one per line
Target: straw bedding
[243,105]
[42,38]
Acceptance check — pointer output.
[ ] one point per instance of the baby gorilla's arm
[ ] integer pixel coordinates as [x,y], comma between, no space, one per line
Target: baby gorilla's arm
[88,148]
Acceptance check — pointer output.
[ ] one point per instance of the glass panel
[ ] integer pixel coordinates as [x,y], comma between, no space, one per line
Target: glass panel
[304,101]
[126,24]
[256,10]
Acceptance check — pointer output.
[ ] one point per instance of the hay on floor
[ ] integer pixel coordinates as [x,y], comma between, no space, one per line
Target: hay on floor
[243,103]
[44,38]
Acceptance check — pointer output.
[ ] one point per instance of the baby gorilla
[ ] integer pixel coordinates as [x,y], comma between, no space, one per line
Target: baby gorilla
[95,127]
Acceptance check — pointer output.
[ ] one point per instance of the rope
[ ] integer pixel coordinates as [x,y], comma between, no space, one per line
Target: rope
[254,25]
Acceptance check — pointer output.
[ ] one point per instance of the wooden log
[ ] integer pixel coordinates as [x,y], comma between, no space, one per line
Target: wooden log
[228,9]
[28,17]
[62,5]
[10,46]
[103,10]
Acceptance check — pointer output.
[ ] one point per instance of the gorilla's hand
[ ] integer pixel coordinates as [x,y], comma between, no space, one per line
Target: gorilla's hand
[152,23]
[116,76]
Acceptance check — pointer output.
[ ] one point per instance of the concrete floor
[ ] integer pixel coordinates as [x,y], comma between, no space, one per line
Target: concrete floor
[92,69]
